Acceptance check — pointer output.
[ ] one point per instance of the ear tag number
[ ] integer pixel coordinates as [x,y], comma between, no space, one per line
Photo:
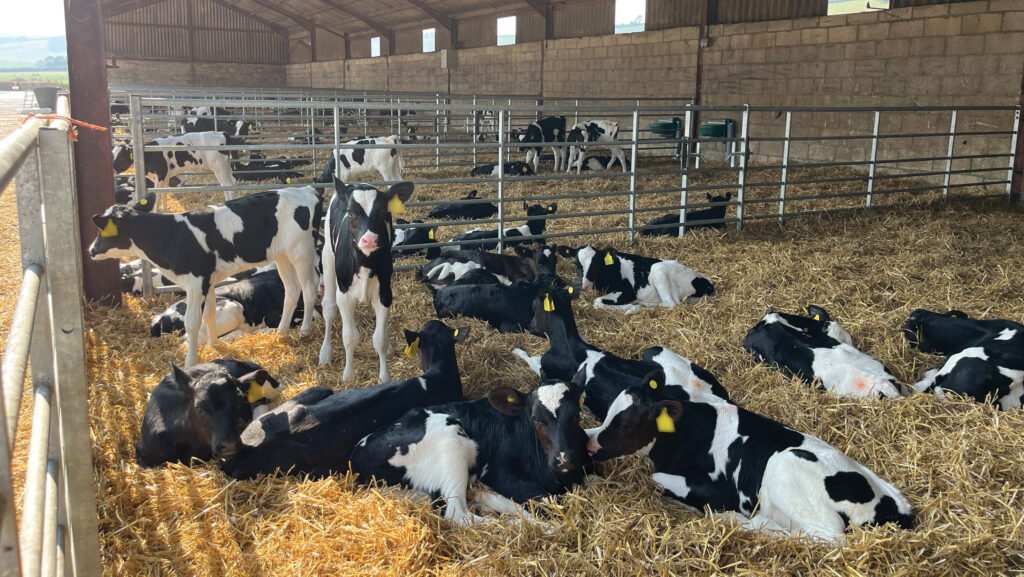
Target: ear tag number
[608,259]
[413,348]
[548,305]
[396,206]
[255,392]
[109,230]
[665,422]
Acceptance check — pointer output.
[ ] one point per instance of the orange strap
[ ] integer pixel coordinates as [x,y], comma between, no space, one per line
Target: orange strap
[73,133]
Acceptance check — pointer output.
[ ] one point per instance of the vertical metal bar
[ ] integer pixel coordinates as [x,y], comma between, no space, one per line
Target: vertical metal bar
[34,495]
[1013,153]
[742,179]
[437,133]
[337,141]
[366,118]
[949,154]
[685,161]
[63,276]
[785,165]
[476,129]
[576,112]
[501,181]
[399,117]
[696,161]
[632,175]
[874,157]
[312,132]
[139,158]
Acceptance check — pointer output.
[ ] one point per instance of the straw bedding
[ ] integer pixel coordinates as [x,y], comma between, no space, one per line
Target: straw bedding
[960,463]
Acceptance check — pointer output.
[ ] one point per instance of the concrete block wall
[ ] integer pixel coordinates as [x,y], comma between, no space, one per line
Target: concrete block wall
[167,73]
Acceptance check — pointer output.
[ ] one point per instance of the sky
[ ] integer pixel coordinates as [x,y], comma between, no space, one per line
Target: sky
[32,18]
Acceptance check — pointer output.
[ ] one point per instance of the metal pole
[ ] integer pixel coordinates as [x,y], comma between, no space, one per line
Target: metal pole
[16,355]
[476,129]
[949,154]
[31,533]
[501,181]
[632,175]
[399,118]
[139,157]
[874,157]
[744,134]
[437,133]
[785,165]
[684,159]
[1013,154]
[337,141]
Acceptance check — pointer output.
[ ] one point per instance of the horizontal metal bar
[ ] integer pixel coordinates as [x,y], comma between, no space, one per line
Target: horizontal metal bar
[14,148]
[18,341]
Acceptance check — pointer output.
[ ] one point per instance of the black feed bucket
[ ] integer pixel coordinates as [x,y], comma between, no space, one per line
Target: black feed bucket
[46,96]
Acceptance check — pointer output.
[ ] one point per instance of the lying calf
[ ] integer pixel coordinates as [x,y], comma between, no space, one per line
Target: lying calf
[199,412]
[694,219]
[511,169]
[634,282]
[314,432]
[817,350]
[521,446]
[468,210]
[454,265]
[732,460]
[985,358]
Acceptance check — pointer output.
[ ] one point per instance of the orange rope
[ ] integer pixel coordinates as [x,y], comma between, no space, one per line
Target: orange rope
[73,133]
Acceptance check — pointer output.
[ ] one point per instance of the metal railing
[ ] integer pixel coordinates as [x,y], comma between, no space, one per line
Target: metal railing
[58,530]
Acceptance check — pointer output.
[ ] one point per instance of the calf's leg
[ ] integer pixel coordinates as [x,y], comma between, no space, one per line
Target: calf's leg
[381,343]
[330,303]
[291,294]
[193,319]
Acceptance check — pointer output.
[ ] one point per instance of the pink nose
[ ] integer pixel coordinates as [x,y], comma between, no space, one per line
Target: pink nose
[368,240]
[587,285]
[592,446]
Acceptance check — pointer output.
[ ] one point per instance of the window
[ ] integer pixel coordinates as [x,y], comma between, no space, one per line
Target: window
[506,31]
[854,6]
[428,39]
[630,16]
[375,46]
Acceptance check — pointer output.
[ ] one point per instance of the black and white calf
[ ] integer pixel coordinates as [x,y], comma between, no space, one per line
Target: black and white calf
[546,130]
[357,265]
[468,210]
[985,358]
[387,161]
[601,163]
[585,133]
[410,235]
[511,169]
[314,432]
[506,308]
[200,412]
[694,219]
[819,351]
[600,374]
[536,216]
[132,277]
[242,307]
[506,269]
[259,168]
[207,124]
[200,248]
[520,446]
[745,466]
[162,165]
[633,282]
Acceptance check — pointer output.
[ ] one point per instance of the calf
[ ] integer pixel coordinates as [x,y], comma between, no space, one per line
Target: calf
[511,169]
[200,412]
[520,446]
[634,282]
[314,432]
[357,264]
[536,215]
[741,463]
[200,248]
[526,266]
[593,131]
[464,210]
[546,130]
[600,163]
[694,219]
[819,351]
[162,165]
[242,306]
[985,357]
[387,161]
[207,124]
[132,277]
[406,235]
[507,308]
[600,374]
[259,168]
[124,187]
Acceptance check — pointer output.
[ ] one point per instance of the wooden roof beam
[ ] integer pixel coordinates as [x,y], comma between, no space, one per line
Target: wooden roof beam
[445,21]
[384,31]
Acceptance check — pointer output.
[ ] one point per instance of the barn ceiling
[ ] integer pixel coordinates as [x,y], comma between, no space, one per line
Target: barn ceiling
[357,16]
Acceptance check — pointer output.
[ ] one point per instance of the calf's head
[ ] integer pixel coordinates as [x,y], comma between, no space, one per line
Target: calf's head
[220,406]
[368,212]
[123,157]
[595,267]
[635,419]
[434,342]
[940,333]
[114,239]
[554,411]
[552,302]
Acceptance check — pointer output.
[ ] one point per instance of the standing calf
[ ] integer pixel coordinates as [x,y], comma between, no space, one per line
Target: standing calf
[593,131]
[546,130]
[357,265]
[387,161]
[162,165]
[200,248]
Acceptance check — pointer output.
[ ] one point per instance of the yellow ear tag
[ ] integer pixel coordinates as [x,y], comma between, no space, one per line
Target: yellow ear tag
[524,170]
[548,305]
[430,235]
[551,209]
[653,384]
[581,400]
[413,348]
[396,206]
[511,399]
[255,391]
[608,259]
[109,230]
[456,333]
[143,202]
[817,317]
[288,180]
[249,127]
[665,422]
[569,289]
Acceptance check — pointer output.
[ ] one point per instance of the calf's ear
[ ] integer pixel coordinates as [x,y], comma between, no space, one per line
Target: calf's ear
[654,380]
[413,346]
[460,334]
[666,414]
[182,379]
[344,191]
[565,251]
[146,204]
[818,313]
[472,194]
[553,208]
[401,190]
[251,385]
[728,196]
[957,315]
[507,401]
[522,251]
